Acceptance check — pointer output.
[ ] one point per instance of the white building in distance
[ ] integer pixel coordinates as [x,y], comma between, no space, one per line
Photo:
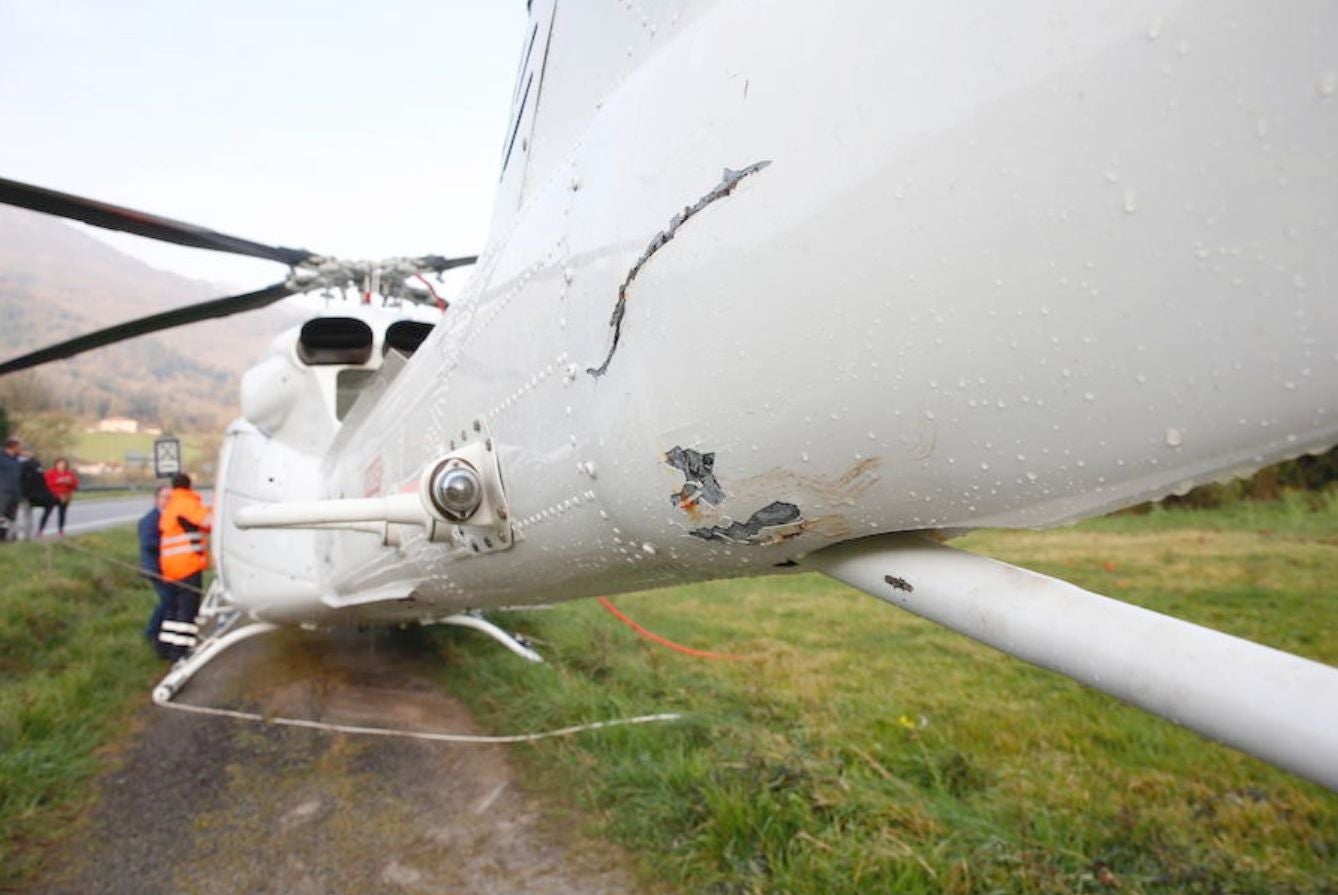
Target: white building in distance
[121,424]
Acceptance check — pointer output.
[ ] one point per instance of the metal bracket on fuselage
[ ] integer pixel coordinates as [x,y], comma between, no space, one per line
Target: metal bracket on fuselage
[458,500]
[486,528]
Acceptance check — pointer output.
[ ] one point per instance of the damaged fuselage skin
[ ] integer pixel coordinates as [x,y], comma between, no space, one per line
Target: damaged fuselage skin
[985,266]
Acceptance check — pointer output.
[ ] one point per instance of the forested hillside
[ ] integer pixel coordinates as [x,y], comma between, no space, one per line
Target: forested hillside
[57,281]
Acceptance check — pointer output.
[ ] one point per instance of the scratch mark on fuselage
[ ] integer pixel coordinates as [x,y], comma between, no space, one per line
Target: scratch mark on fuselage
[729,180]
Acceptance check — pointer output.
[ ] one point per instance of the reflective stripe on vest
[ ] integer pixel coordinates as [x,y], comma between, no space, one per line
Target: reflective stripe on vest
[183,538]
[183,550]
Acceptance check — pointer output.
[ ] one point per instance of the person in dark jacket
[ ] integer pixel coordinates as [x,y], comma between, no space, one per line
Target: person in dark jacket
[34,495]
[150,540]
[11,474]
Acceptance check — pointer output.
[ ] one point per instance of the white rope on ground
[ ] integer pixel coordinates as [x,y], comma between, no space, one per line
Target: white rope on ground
[420,735]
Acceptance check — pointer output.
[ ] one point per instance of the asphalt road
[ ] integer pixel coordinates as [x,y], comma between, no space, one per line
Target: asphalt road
[94,515]
[90,514]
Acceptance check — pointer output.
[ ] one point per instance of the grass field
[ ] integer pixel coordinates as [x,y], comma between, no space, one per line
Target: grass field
[112,447]
[1295,514]
[857,749]
[860,749]
[73,667]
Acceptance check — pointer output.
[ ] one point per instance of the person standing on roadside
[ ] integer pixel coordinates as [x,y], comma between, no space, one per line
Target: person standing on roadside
[36,494]
[62,482]
[183,553]
[150,539]
[11,479]
[32,487]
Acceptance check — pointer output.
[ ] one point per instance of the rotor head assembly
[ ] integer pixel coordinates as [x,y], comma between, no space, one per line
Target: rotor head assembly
[309,271]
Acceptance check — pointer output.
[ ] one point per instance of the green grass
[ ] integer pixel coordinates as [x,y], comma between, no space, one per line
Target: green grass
[111,447]
[1305,513]
[861,749]
[73,667]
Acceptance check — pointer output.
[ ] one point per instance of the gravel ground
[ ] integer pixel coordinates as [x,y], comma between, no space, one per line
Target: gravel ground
[201,805]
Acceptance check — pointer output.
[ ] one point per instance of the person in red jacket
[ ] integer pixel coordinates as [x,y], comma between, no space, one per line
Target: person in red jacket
[62,482]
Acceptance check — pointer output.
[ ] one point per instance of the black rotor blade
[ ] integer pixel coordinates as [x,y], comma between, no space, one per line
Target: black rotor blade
[439,263]
[205,310]
[114,217]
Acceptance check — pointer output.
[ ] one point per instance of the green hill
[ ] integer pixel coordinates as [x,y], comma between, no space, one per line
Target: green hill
[57,281]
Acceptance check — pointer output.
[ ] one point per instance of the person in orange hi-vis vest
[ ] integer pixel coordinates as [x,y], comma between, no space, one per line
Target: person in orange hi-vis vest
[183,555]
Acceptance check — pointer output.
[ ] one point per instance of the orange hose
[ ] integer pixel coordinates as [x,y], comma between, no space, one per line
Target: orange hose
[652,636]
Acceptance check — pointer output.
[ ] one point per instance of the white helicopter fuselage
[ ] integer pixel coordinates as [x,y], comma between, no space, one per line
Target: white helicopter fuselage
[892,268]
[770,286]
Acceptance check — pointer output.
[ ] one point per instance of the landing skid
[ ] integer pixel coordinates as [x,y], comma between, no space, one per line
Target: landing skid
[226,634]
[214,604]
[1273,705]
[222,639]
[514,642]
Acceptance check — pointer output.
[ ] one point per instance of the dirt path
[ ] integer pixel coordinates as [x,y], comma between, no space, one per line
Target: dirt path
[205,805]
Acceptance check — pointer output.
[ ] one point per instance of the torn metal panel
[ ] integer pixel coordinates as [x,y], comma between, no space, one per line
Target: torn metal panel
[777,513]
[700,484]
[844,489]
[728,181]
[703,495]
[809,490]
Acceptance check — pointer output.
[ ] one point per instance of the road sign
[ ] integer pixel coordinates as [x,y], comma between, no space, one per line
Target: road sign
[166,457]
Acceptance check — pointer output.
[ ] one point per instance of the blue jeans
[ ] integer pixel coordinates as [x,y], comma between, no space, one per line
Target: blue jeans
[9,508]
[155,626]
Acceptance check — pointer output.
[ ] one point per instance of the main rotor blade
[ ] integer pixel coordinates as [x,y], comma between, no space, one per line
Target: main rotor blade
[114,217]
[218,307]
[438,263]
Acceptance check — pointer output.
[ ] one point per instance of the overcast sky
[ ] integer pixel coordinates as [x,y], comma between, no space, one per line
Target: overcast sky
[359,130]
